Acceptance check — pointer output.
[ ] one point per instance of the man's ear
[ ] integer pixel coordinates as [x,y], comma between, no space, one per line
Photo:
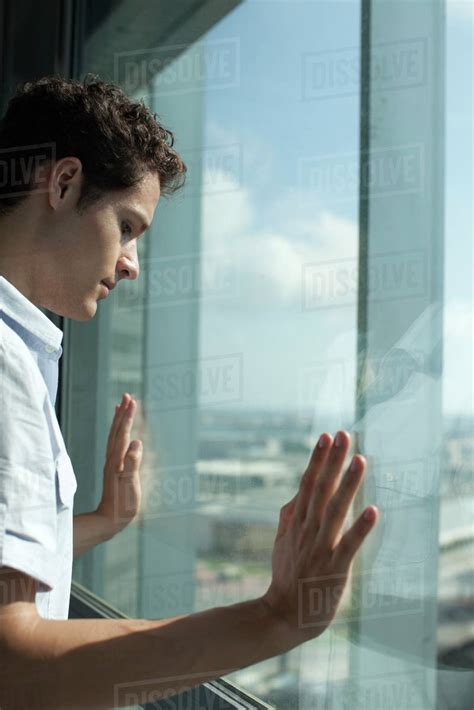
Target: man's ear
[64,182]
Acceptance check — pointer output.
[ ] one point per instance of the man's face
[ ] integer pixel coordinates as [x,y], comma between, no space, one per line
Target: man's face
[99,244]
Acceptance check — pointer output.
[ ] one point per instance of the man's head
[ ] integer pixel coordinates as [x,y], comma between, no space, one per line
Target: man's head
[82,170]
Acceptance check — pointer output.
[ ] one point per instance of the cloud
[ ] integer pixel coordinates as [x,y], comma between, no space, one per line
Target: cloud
[458,319]
[461,9]
[258,156]
[458,357]
[269,262]
[226,214]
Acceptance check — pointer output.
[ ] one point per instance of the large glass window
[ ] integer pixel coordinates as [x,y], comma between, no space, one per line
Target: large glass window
[315,273]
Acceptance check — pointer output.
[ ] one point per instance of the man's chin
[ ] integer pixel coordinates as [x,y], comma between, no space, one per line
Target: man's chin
[87,312]
[90,309]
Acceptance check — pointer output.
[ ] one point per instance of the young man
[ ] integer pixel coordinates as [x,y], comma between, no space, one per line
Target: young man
[68,227]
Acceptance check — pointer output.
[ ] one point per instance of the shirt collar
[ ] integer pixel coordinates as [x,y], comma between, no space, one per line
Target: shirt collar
[37,330]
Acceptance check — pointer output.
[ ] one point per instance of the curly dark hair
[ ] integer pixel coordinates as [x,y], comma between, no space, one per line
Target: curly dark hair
[118,140]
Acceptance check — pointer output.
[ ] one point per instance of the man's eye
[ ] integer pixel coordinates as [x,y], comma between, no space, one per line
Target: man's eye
[126,228]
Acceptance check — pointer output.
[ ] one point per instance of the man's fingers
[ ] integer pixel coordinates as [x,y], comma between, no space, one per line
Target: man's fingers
[132,461]
[286,513]
[122,439]
[338,507]
[118,418]
[353,538]
[119,436]
[327,480]
[313,470]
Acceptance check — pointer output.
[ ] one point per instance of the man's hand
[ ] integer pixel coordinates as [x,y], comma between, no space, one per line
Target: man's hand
[121,497]
[311,560]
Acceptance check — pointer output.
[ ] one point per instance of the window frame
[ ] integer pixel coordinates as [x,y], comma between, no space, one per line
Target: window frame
[84,604]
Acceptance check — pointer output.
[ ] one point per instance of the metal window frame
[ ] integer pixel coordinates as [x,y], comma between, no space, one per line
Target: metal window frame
[84,604]
[376,132]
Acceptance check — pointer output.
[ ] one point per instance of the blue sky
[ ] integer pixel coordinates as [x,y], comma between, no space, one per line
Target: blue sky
[265,215]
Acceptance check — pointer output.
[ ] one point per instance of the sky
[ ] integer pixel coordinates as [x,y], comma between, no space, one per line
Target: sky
[275,224]
[281,111]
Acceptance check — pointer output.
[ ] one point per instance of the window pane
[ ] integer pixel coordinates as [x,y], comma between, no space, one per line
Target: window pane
[455,637]
[294,286]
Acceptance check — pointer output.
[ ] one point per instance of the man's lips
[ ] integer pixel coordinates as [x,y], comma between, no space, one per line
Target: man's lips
[107,289]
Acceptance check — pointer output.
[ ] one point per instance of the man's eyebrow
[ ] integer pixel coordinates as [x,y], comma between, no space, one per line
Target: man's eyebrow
[139,216]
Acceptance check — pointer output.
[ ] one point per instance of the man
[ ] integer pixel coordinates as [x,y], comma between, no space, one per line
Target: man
[69,226]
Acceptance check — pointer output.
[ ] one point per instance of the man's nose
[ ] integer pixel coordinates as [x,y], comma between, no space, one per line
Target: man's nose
[128,267]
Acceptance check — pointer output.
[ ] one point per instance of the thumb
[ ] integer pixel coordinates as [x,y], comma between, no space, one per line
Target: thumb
[133,455]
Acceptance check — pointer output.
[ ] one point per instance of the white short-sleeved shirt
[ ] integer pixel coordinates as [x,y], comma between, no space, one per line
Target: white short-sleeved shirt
[37,481]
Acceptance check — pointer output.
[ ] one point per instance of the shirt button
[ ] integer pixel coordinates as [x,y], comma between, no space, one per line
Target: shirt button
[49,348]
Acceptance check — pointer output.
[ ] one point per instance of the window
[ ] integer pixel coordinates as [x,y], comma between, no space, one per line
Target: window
[314,274]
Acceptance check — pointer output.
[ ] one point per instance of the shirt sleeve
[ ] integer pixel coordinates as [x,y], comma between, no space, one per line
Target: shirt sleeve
[28,504]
